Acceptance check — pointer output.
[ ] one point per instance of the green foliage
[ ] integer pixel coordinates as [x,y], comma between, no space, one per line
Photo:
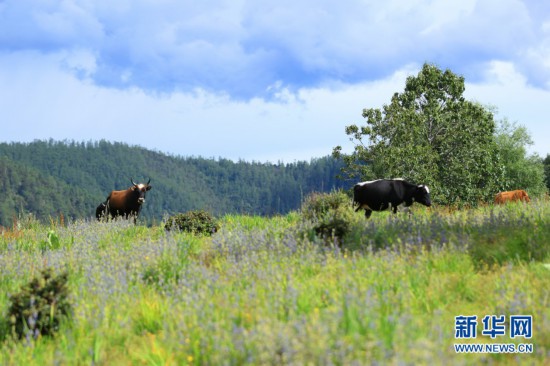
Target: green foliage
[26,221]
[147,317]
[38,309]
[334,224]
[197,222]
[329,214]
[546,163]
[52,241]
[520,171]
[428,134]
[166,269]
[318,204]
[49,177]
[29,189]
[511,234]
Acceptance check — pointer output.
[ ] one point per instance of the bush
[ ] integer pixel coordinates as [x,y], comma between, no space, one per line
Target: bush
[197,222]
[317,205]
[334,225]
[38,308]
[329,213]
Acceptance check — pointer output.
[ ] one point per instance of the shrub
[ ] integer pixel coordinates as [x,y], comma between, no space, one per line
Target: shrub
[38,308]
[197,222]
[317,205]
[330,225]
[329,213]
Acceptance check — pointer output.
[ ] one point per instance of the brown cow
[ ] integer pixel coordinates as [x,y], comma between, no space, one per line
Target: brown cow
[124,203]
[512,196]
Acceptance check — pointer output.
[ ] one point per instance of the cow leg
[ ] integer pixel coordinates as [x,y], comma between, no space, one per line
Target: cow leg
[100,211]
[368,213]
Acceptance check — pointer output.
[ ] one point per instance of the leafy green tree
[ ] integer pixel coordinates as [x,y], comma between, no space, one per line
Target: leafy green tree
[546,163]
[520,170]
[428,134]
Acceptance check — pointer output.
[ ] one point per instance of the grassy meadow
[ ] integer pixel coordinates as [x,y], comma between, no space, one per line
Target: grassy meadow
[266,291]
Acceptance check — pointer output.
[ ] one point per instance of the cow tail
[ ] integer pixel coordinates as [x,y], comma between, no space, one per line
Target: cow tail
[107,200]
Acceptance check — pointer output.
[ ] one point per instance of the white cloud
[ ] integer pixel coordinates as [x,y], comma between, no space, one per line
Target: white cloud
[243,47]
[508,90]
[44,102]
[255,80]
[537,56]
[48,25]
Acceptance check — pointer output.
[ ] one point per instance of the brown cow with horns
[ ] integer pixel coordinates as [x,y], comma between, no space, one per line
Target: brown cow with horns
[124,203]
[511,196]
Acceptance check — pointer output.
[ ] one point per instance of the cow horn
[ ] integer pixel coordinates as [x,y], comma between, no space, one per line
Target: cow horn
[132,179]
[149,181]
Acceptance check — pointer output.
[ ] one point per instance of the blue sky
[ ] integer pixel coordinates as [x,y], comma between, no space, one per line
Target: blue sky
[256,80]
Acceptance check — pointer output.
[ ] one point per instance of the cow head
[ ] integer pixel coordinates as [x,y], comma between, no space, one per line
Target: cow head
[140,190]
[422,195]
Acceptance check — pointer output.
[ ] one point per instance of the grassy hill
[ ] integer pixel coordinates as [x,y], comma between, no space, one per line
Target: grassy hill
[50,178]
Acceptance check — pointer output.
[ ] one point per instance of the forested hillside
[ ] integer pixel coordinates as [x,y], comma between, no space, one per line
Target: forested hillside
[49,178]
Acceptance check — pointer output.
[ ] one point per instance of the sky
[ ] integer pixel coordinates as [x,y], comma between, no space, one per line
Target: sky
[257,80]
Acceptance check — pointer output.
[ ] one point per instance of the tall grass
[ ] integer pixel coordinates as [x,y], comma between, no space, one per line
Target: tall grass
[260,292]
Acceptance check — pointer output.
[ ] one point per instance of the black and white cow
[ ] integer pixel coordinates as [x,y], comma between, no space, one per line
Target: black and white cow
[379,195]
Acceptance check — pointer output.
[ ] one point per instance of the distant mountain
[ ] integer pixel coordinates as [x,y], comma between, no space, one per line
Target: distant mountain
[49,178]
